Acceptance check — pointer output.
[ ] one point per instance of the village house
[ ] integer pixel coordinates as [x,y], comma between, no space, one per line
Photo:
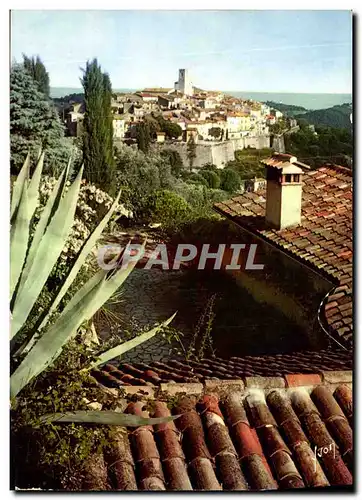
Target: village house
[119,126]
[237,122]
[74,119]
[276,113]
[270,119]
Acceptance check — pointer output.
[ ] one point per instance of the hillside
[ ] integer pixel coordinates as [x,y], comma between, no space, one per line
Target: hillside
[287,109]
[336,117]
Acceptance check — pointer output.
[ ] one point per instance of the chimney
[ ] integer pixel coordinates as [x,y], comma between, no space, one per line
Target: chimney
[283,191]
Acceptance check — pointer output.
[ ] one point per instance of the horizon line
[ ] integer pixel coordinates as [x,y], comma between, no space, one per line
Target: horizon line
[205,90]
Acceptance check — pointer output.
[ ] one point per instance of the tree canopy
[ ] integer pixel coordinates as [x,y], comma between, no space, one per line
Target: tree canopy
[98,154]
[34,124]
[36,69]
[230,180]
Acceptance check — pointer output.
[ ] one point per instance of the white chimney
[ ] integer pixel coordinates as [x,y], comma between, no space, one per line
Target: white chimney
[284,191]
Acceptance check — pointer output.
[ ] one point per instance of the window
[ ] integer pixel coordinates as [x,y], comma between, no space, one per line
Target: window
[288,178]
[296,177]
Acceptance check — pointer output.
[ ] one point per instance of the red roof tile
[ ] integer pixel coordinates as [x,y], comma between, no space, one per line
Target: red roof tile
[248,439]
[322,241]
[274,365]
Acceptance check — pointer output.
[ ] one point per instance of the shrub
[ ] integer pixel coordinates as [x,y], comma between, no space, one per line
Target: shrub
[230,180]
[197,179]
[212,178]
[167,208]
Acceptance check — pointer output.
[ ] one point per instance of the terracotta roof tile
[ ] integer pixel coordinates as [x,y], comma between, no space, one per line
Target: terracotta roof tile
[251,439]
[272,365]
[324,238]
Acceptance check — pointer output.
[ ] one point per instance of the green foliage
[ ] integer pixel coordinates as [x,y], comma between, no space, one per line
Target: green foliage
[230,180]
[58,451]
[335,117]
[248,164]
[174,159]
[215,132]
[32,260]
[143,136]
[212,178]
[48,451]
[197,179]
[37,71]
[172,130]
[209,166]
[201,342]
[327,145]
[92,205]
[191,151]
[167,208]
[34,125]
[98,155]
[139,175]
[279,127]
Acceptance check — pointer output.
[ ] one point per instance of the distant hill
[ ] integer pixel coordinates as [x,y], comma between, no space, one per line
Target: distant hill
[287,109]
[336,117]
[58,92]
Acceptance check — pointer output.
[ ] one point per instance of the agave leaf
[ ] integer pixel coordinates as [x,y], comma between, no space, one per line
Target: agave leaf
[104,417]
[81,307]
[130,344]
[114,279]
[34,185]
[18,186]
[19,238]
[82,255]
[50,247]
[50,344]
[46,215]
[79,295]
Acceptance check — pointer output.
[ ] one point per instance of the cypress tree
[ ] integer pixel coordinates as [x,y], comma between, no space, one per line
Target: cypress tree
[37,71]
[98,157]
[143,137]
[191,151]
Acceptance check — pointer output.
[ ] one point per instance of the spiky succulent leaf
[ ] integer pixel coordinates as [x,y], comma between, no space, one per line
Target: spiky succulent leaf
[104,417]
[45,218]
[80,308]
[19,238]
[18,186]
[50,247]
[34,184]
[86,248]
[130,344]
[50,344]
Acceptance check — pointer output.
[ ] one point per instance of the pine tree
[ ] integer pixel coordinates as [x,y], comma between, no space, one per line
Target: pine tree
[98,156]
[34,124]
[37,71]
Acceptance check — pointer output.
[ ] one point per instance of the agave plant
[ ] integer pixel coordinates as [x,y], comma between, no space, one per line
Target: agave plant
[32,260]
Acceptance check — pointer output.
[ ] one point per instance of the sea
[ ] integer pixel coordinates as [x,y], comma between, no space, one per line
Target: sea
[308,101]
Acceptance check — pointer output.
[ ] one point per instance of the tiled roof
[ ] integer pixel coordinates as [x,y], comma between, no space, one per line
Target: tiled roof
[275,365]
[252,439]
[280,160]
[323,240]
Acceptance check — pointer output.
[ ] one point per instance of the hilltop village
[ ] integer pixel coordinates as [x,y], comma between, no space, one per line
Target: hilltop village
[218,123]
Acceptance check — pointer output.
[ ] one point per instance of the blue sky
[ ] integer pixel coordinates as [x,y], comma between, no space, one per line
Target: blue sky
[266,51]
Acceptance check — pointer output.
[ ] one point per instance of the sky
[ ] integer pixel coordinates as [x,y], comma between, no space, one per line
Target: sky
[260,51]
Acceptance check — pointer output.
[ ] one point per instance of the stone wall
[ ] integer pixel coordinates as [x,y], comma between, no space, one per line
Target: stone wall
[218,153]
